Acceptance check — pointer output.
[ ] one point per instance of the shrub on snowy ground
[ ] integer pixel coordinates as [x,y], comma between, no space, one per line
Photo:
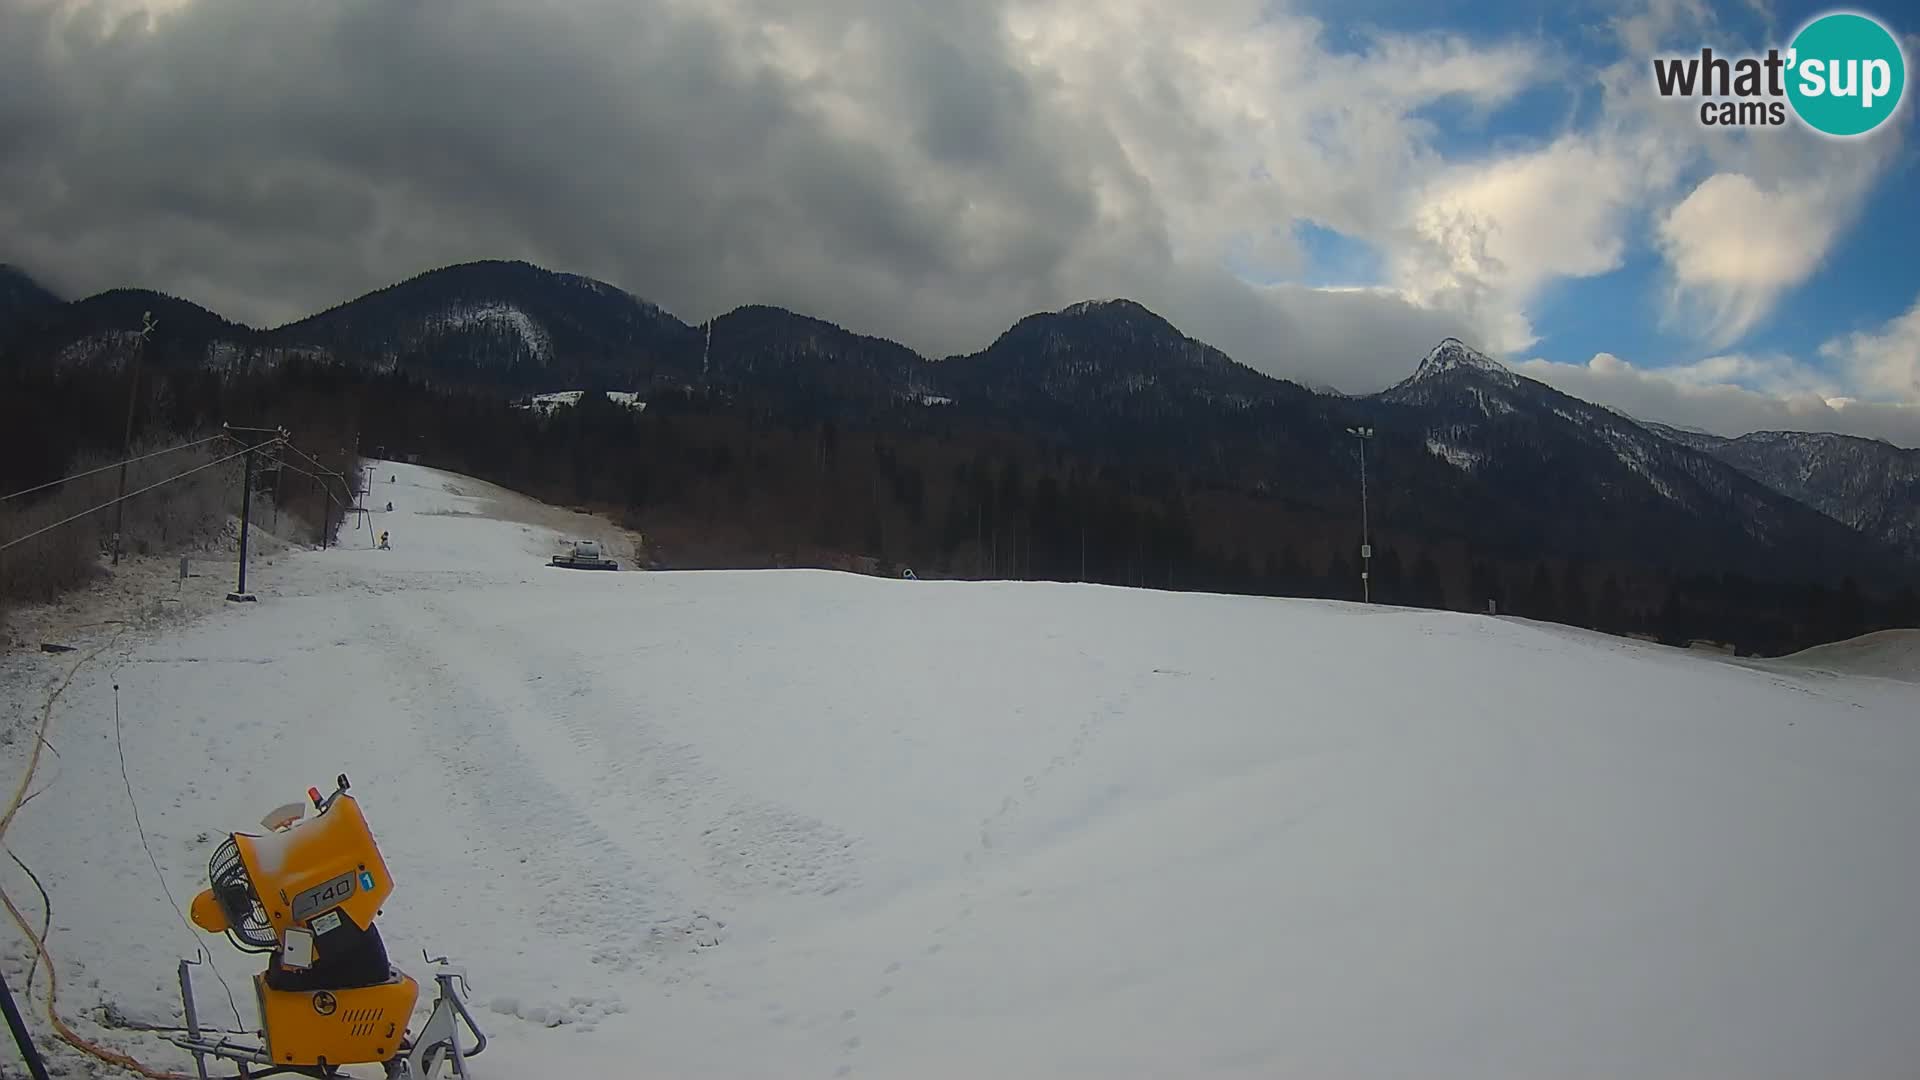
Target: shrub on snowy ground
[190,513]
[53,562]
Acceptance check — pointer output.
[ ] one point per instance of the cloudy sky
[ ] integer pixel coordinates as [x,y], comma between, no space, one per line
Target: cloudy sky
[1322,188]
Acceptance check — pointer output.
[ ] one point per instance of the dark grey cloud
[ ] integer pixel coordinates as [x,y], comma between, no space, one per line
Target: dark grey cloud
[906,169]
[929,171]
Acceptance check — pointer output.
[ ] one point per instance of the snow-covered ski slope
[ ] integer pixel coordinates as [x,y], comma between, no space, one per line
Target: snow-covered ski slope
[803,824]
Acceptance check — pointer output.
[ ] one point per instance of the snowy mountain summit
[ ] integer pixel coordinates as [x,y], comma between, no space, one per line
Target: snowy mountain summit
[1453,368]
[1452,354]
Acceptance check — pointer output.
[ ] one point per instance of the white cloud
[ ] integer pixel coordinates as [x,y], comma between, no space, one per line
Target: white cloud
[1739,216]
[1868,386]
[1721,408]
[1734,246]
[1884,361]
[1643,29]
[1485,237]
[1773,373]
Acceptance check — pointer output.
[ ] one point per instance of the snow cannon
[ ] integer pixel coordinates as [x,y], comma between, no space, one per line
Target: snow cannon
[306,892]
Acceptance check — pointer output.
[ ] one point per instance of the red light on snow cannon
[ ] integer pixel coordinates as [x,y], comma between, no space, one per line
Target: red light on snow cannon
[314,794]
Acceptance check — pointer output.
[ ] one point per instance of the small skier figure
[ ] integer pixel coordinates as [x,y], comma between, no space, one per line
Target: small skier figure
[389,508]
[383,541]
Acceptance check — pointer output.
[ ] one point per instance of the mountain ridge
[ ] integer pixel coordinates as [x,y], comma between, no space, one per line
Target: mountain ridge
[1483,450]
[1867,484]
[21,296]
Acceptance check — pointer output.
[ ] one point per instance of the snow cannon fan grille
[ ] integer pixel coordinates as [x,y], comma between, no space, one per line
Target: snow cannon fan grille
[247,923]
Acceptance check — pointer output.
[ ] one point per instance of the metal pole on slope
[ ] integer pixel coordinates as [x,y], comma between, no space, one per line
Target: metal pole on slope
[1364,434]
[240,593]
[133,386]
[21,1037]
[246,515]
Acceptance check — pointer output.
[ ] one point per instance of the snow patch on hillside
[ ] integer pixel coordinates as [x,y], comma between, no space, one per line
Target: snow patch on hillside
[547,403]
[1490,405]
[1459,457]
[501,315]
[1632,453]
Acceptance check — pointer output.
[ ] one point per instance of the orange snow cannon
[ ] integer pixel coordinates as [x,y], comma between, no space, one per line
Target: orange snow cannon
[306,892]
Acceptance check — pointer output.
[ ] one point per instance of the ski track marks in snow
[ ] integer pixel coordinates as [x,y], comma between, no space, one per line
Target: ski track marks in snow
[976,859]
[614,836]
[580,860]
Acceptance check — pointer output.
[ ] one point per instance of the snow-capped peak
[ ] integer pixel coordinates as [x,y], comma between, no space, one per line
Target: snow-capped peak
[1453,354]
[1089,307]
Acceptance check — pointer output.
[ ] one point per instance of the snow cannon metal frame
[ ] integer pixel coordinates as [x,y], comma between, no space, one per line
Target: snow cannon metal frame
[306,892]
[584,555]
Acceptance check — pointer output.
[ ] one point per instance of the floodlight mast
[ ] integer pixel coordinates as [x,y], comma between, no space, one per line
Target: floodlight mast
[1365,435]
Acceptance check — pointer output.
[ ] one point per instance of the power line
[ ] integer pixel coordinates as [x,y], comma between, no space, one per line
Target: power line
[324,489]
[114,465]
[286,441]
[131,494]
[282,462]
[317,463]
[119,745]
[39,942]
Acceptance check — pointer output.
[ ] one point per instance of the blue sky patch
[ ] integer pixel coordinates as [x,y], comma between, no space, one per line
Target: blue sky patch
[1866,277]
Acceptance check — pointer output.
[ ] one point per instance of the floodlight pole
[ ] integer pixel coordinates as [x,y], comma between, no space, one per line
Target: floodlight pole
[1365,435]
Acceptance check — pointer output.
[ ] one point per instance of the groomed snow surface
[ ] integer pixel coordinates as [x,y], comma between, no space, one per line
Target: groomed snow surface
[804,824]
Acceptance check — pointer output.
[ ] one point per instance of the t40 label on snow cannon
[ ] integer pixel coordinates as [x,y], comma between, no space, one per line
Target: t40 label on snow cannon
[321,897]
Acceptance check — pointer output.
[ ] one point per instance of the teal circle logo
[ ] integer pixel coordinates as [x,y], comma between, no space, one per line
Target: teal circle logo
[1846,74]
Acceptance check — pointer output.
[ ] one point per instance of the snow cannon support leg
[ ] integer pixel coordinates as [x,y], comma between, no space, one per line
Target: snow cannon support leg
[440,1042]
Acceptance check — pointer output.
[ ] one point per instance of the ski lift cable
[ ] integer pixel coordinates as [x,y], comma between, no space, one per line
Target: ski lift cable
[61,1028]
[285,464]
[119,746]
[131,494]
[318,464]
[114,465]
